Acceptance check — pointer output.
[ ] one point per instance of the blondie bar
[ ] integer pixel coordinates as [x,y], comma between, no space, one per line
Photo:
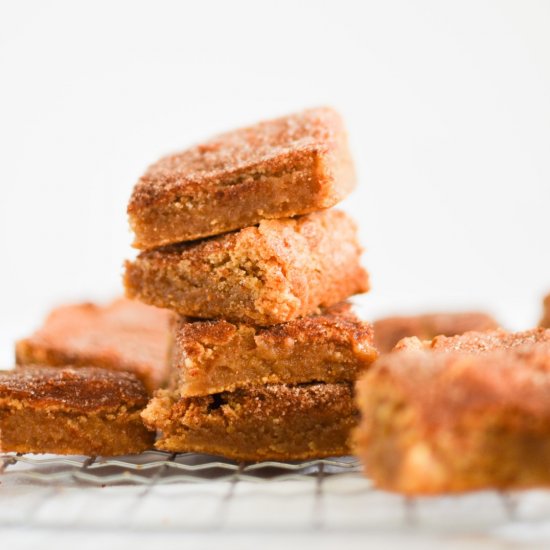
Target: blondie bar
[123,335]
[276,169]
[276,422]
[450,422]
[85,411]
[388,331]
[215,356]
[269,274]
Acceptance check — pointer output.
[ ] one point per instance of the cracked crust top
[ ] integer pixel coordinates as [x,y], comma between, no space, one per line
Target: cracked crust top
[210,163]
[85,389]
[276,169]
[477,342]
[337,324]
[441,386]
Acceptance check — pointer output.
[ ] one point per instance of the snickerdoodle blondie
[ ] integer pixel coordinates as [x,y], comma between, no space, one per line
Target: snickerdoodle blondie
[271,273]
[85,411]
[123,335]
[217,355]
[271,422]
[276,169]
[450,422]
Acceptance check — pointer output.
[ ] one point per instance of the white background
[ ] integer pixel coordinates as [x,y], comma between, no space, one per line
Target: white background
[447,105]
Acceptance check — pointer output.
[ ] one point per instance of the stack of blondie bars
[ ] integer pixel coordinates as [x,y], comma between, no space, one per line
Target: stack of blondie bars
[253,352]
[238,238]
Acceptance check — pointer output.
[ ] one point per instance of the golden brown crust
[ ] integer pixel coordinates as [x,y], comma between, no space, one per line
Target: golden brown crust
[275,422]
[215,356]
[518,376]
[388,331]
[275,169]
[82,389]
[448,422]
[477,342]
[265,275]
[88,411]
[124,335]
[545,321]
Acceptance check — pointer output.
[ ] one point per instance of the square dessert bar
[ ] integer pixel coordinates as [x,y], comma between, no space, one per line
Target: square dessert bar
[388,331]
[269,274]
[272,422]
[276,169]
[477,342]
[123,335]
[84,411]
[450,422]
[215,356]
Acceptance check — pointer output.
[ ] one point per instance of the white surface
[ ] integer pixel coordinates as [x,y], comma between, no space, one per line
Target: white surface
[449,119]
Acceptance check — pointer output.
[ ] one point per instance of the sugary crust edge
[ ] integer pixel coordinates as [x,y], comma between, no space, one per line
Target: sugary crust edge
[80,389]
[328,163]
[28,352]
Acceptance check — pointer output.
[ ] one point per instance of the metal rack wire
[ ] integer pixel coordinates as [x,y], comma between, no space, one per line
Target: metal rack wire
[163,468]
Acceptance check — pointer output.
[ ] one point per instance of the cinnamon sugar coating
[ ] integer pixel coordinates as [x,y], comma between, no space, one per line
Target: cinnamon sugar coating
[388,331]
[275,169]
[264,275]
[455,421]
[477,342]
[124,335]
[215,356]
[89,411]
[272,422]
[545,321]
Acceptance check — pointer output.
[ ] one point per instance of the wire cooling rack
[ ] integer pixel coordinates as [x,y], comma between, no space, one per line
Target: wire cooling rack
[192,493]
[158,468]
